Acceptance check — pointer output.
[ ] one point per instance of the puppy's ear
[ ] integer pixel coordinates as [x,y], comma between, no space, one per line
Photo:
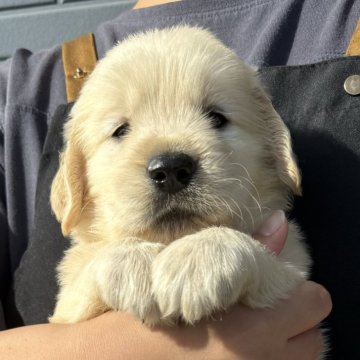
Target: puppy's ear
[279,144]
[67,190]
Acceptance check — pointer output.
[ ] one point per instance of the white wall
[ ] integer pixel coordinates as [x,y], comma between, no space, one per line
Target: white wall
[40,24]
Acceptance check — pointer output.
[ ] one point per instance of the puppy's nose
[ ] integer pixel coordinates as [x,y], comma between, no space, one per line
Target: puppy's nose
[171,172]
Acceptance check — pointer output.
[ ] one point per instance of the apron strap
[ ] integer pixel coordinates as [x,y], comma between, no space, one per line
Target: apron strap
[354,45]
[79,59]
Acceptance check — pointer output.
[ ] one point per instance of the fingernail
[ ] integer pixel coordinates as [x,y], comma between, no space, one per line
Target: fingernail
[272,223]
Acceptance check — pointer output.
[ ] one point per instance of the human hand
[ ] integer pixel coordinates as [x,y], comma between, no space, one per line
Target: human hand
[288,331]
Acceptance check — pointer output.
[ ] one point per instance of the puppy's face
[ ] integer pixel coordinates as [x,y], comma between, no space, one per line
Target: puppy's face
[171,133]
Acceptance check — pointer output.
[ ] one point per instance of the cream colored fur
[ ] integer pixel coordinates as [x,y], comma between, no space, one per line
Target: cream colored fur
[127,252]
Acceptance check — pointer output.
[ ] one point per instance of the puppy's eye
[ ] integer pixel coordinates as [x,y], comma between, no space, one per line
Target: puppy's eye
[218,120]
[121,131]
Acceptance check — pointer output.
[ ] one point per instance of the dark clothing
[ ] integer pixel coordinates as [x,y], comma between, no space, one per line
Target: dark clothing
[323,120]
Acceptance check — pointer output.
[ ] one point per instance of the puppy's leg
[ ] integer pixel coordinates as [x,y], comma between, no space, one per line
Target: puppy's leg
[214,268]
[78,300]
[123,277]
[110,276]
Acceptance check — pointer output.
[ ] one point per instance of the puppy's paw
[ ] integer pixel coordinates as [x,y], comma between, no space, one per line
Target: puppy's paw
[199,274]
[213,269]
[123,278]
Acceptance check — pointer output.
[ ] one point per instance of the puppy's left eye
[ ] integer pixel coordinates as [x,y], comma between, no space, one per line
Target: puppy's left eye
[218,120]
[121,131]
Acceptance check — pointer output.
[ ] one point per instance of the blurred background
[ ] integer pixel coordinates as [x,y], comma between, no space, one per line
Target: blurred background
[40,24]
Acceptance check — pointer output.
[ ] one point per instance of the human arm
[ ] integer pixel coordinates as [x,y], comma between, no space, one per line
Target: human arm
[287,331]
[240,334]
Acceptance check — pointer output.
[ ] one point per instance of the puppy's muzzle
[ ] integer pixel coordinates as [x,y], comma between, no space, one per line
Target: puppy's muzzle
[171,172]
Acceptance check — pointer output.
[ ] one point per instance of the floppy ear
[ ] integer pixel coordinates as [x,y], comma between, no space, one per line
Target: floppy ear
[279,143]
[67,190]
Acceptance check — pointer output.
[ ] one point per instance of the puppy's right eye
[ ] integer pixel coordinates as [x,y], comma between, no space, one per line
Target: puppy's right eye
[218,120]
[121,131]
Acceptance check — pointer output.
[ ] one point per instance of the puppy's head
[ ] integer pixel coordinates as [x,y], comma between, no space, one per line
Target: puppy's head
[171,133]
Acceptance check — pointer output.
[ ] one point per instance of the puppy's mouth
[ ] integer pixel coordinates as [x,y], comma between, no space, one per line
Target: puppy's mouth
[177,217]
[173,221]
[176,222]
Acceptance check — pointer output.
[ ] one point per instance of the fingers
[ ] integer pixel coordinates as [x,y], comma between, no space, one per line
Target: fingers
[306,346]
[308,305]
[273,232]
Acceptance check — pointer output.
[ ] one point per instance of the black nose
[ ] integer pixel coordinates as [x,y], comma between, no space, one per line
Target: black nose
[171,172]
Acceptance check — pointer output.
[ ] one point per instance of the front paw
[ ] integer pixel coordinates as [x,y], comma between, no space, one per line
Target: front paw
[200,274]
[123,277]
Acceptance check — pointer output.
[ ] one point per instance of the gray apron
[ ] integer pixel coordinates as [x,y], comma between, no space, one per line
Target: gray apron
[324,121]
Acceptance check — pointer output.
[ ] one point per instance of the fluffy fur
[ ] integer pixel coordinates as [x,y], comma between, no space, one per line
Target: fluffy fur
[190,254]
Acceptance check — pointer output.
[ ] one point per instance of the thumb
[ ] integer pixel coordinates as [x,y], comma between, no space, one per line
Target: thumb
[273,232]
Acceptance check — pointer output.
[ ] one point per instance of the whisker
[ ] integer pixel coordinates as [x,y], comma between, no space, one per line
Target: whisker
[240,216]
[256,201]
[249,178]
[251,217]
[232,211]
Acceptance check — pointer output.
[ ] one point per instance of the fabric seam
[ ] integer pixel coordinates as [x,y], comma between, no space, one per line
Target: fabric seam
[215,12]
[27,108]
[313,64]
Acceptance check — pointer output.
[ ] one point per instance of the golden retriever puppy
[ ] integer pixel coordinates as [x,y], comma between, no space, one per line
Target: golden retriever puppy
[173,156]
